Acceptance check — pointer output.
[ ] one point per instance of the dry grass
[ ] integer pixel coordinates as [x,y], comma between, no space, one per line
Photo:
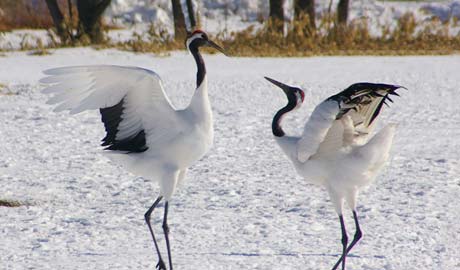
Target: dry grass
[40,49]
[156,40]
[354,39]
[5,91]
[10,203]
[409,37]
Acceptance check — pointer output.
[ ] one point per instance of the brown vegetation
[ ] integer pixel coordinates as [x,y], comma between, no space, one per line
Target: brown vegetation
[352,39]
[20,14]
[408,38]
[8,203]
[155,40]
[328,39]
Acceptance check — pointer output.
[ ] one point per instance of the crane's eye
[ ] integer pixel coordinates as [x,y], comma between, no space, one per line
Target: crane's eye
[302,95]
[299,95]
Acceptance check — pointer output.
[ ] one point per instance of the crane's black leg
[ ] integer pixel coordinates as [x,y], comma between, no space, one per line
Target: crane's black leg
[344,245]
[358,233]
[161,264]
[166,231]
[357,237]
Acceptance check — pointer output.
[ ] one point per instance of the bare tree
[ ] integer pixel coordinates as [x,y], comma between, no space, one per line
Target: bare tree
[342,11]
[191,14]
[58,20]
[305,7]
[89,16]
[277,14]
[179,20]
[276,10]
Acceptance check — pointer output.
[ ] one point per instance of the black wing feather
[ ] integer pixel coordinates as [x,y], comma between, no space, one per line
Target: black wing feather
[362,94]
[111,117]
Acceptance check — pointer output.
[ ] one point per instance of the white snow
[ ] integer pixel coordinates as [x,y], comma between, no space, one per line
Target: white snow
[25,39]
[242,206]
[445,10]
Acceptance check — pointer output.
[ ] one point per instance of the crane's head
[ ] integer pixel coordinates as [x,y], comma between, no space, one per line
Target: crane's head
[294,94]
[198,39]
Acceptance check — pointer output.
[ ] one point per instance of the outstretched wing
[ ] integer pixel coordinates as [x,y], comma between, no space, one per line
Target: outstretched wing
[341,118]
[362,103]
[131,100]
[316,129]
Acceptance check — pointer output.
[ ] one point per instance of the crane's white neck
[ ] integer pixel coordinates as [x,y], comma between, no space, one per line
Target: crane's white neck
[200,104]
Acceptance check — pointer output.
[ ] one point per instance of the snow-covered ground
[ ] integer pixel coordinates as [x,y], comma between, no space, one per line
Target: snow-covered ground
[242,206]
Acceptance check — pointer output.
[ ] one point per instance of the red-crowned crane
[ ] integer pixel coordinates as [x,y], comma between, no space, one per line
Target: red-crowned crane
[145,133]
[335,150]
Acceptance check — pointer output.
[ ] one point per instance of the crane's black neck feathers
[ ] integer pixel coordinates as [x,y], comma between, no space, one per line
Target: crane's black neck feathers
[276,123]
[111,117]
[194,49]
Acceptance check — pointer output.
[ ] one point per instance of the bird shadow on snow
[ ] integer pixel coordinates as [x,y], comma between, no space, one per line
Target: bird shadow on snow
[82,254]
[286,254]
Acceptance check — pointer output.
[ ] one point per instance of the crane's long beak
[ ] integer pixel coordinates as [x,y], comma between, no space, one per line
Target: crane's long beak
[211,43]
[283,86]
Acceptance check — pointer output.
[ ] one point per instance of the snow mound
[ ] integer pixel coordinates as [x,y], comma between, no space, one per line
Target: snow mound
[443,11]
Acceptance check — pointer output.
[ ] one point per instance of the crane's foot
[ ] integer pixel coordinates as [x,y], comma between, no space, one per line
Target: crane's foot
[161,265]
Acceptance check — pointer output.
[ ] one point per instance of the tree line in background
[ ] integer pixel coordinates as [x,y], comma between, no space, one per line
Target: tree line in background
[307,8]
[89,20]
[88,25]
[78,22]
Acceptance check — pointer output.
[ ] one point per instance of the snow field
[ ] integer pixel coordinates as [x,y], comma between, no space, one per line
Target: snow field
[242,206]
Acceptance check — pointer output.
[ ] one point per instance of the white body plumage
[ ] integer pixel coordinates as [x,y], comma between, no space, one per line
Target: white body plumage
[335,150]
[344,170]
[144,132]
[175,138]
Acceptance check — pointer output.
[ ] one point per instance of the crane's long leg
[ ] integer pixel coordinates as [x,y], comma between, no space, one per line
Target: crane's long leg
[358,233]
[344,245]
[356,238]
[166,231]
[161,264]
